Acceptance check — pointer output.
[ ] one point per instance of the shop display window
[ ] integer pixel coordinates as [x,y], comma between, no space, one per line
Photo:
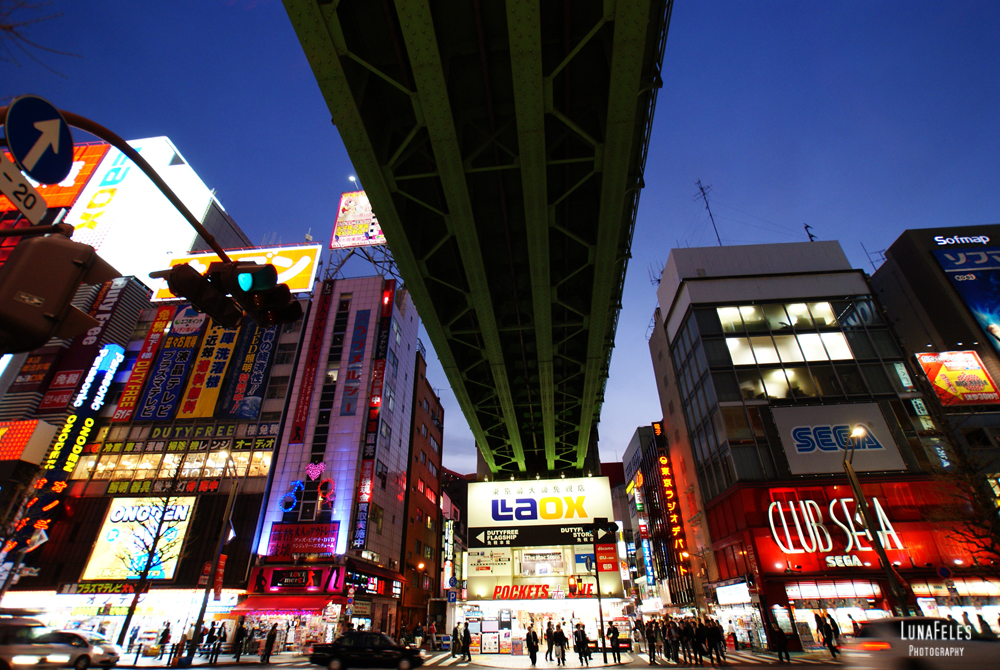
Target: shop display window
[168,470]
[215,464]
[84,467]
[260,464]
[242,461]
[105,467]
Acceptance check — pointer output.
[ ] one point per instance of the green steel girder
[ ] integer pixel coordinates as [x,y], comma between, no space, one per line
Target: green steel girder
[502,144]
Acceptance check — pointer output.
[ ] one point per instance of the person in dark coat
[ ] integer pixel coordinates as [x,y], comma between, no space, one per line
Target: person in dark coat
[531,641]
[549,632]
[559,641]
[581,645]
[467,643]
[780,643]
[612,634]
[456,639]
[835,627]
[701,643]
[164,639]
[238,637]
[272,635]
[651,642]
[713,638]
[827,631]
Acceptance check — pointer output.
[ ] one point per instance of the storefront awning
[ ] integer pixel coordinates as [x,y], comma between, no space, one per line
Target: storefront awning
[286,604]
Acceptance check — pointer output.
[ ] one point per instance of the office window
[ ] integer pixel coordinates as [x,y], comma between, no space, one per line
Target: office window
[376,518]
[423,458]
[192,466]
[431,495]
[435,445]
[388,398]
[393,363]
[285,353]
[740,351]
[381,472]
[168,467]
[428,552]
[126,466]
[420,485]
[241,460]
[84,467]
[277,388]
[397,331]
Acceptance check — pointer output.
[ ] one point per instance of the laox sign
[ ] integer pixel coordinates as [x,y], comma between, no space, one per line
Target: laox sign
[813,535]
[528,509]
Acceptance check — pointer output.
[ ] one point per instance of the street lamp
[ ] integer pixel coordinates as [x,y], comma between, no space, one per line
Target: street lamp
[220,543]
[898,592]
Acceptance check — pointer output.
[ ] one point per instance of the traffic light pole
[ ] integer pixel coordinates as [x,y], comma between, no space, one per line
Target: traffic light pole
[599,523]
[117,142]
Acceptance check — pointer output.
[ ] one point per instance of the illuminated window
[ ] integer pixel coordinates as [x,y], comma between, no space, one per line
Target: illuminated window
[215,466]
[822,314]
[193,464]
[730,318]
[260,464]
[430,523]
[426,583]
[428,552]
[994,480]
[84,467]
[776,384]
[376,518]
[431,495]
[148,465]
[105,467]
[753,318]
[168,469]
[776,317]
[763,350]
[788,348]
[420,485]
[800,383]
[739,350]
[799,313]
[126,466]
[242,461]
[836,345]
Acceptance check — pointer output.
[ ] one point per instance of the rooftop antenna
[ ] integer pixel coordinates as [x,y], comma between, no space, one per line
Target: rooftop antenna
[704,191]
[654,276]
[309,237]
[812,238]
[880,255]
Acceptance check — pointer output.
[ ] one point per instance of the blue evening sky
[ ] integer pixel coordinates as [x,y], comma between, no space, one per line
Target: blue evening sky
[861,119]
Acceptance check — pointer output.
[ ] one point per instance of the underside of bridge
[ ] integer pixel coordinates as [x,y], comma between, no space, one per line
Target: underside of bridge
[502,145]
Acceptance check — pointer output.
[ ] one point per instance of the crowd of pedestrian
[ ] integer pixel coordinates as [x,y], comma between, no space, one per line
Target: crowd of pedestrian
[688,640]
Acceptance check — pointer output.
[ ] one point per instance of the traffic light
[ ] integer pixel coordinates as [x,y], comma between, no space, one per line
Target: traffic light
[256,289]
[37,286]
[186,282]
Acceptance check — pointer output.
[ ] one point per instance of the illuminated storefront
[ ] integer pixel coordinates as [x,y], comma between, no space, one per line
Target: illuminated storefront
[532,560]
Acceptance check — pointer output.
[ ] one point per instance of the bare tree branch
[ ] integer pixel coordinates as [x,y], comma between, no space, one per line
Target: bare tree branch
[16,17]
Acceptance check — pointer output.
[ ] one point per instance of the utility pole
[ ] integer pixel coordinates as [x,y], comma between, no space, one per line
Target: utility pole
[704,196]
[812,238]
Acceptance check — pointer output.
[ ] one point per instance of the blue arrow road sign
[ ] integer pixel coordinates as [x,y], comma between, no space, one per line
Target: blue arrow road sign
[39,139]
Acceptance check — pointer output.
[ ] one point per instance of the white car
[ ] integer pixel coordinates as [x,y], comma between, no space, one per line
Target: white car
[924,643]
[101,650]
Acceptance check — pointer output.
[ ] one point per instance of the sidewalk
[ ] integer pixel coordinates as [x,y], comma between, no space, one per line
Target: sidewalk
[511,662]
[225,661]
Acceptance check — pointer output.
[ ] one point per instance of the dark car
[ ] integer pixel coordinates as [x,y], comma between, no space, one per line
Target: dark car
[366,650]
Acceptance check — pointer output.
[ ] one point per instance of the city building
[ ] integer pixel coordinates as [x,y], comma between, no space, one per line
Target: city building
[768,358]
[420,551]
[937,287]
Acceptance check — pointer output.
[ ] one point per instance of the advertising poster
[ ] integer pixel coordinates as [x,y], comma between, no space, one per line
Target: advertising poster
[313,355]
[356,225]
[62,458]
[296,266]
[975,274]
[815,438]
[123,547]
[490,562]
[243,392]
[209,370]
[959,378]
[140,370]
[64,194]
[172,366]
[355,361]
[287,539]
[35,373]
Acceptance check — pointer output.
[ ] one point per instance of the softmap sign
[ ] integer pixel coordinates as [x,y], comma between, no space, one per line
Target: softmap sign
[39,139]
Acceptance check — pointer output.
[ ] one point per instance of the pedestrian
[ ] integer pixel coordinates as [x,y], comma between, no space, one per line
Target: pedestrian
[432,635]
[612,634]
[687,641]
[651,641]
[780,643]
[132,636]
[467,643]
[715,642]
[272,635]
[836,629]
[456,639]
[418,635]
[855,626]
[984,628]
[580,645]
[701,642]
[164,639]
[531,641]
[559,644]
[549,633]
[828,640]
[238,637]
[659,639]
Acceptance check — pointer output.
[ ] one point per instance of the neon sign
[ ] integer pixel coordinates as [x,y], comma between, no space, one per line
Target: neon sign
[676,542]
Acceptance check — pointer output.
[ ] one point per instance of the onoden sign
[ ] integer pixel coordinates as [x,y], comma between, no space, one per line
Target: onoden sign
[296,266]
[538,513]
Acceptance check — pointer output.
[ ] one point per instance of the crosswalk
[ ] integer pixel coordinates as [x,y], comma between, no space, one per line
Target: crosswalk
[444,658]
[745,658]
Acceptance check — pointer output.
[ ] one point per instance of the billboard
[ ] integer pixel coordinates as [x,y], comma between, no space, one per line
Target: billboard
[243,393]
[86,158]
[959,378]
[209,370]
[130,527]
[144,361]
[121,210]
[815,438]
[541,513]
[975,274]
[296,266]
[25,440]
[171,369]
[356,225]
[288,539]
[313,355]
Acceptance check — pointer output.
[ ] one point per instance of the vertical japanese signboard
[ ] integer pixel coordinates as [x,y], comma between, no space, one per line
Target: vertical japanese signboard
[75,433]
[209,370]
[313,357]
[355,361]
[172,366]
[133,387]
[676,539]
[247,378]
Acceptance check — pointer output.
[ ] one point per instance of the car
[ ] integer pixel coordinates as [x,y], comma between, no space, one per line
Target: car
[919,643]
[100,650]
[365,649]
[26,643]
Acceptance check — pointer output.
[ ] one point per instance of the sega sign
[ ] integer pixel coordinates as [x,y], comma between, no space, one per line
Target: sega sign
[815,438]
[546,502]
[830,438]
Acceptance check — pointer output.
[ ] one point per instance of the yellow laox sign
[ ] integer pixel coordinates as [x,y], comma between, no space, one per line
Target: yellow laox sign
[296,265]
[540,502]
